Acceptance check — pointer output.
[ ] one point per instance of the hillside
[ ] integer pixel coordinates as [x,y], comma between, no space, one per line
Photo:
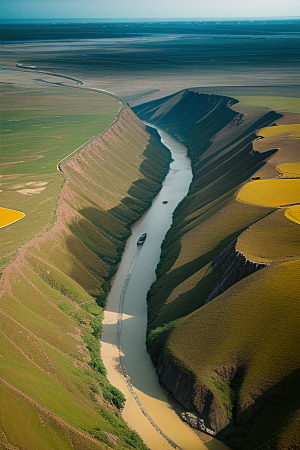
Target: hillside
[223,314]
[54,391]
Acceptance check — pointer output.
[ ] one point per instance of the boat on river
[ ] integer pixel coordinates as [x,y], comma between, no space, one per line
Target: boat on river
[142,239]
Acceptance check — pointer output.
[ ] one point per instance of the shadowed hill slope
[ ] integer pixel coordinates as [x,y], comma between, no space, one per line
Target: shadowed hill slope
[54,392]
[223,313]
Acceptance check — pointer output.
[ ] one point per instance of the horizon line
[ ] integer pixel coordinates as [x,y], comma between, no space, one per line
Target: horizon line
[152,19]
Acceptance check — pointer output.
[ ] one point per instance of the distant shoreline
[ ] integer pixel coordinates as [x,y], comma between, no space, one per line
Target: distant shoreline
[148,19]
[29,30]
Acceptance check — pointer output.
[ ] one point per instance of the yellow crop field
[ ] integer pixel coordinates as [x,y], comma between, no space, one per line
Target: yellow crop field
[272,193]
[275,237]
[293,213]
[289,169]
[8,216]
[292,129]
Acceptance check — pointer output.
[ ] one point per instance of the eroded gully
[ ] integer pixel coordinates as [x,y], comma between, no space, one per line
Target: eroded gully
[147,409]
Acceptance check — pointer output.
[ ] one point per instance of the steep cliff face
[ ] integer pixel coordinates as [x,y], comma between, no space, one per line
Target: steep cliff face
[232,267]
[52,297]
[187,114]
[197,399]
[179,382]
[221,331]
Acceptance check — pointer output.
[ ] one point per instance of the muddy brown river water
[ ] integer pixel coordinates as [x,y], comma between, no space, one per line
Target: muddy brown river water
[143,379]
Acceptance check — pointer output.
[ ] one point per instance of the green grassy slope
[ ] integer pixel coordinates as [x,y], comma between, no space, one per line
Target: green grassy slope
[54,392]
[251,366]
[39,127]
[231,361]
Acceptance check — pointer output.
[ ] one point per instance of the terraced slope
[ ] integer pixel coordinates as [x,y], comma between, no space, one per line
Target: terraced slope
[224,311]
[54,392]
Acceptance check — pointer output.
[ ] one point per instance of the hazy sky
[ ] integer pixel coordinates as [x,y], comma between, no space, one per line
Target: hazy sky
[21,9]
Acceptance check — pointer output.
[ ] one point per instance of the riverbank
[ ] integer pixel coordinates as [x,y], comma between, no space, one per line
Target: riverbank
[143,378]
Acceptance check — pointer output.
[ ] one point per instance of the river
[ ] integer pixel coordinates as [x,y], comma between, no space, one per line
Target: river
[143,378]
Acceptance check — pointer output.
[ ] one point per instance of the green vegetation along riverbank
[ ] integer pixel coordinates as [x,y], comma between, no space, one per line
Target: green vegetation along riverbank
[222,328]
[54,391]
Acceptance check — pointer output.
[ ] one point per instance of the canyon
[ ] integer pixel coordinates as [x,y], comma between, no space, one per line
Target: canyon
[223,309]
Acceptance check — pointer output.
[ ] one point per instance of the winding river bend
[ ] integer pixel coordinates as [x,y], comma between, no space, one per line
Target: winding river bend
[125,320]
